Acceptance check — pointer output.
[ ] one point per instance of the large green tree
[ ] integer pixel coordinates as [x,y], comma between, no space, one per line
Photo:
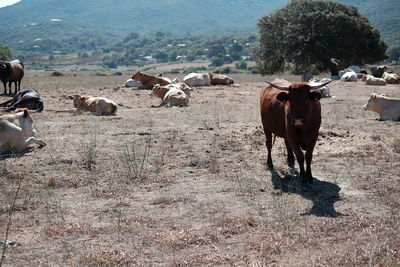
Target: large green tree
[5,52]
[309,33]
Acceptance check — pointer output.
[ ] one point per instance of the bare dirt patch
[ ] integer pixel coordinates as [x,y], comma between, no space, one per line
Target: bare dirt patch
[189,186]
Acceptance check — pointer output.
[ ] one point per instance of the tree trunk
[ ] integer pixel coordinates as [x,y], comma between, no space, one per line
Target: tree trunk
[332,65]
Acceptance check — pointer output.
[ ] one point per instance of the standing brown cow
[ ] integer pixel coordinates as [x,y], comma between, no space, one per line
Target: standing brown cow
[11,72]
[292,111]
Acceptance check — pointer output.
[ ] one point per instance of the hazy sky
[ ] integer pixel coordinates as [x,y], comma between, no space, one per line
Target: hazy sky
[4,3]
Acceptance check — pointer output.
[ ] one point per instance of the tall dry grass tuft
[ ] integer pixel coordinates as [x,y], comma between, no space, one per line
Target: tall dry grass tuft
[135,160]
[89,153]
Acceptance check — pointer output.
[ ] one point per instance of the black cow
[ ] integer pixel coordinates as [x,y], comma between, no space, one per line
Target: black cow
[28,98]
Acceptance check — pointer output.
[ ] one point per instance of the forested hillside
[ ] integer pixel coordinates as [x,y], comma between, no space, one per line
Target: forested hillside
[384,15]
[30,19]
[123,31]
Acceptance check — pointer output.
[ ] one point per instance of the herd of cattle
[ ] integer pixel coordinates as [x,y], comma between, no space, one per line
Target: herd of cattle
[289,110]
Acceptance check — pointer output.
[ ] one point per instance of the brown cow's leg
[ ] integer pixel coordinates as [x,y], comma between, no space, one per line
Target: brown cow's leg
[5,88]
[309,155]
[290,156]
[268,143]
[300,160]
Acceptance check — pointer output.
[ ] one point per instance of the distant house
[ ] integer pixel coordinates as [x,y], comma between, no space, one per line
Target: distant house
[150,59]
[181,58]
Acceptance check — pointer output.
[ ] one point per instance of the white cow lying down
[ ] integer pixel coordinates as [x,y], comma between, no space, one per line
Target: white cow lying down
[170,96]
[98,105]
[15,138]
[325,91]
[133,83]
[349,76]
[197,79]
[388,108]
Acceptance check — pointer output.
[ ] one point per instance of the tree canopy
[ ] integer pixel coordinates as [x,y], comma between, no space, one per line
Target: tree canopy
[5,52]
[308,33]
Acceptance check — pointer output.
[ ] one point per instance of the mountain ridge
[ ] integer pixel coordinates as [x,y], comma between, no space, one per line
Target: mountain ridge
[174,16]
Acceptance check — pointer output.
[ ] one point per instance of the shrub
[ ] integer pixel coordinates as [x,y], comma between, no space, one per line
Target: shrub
[241,65]
[56,73]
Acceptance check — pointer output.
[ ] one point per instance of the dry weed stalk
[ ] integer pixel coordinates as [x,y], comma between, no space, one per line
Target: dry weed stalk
[89,152]
[135,162]
[5,242]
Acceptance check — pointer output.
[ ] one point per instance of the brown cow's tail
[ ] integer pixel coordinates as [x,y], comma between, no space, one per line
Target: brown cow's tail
[273,141]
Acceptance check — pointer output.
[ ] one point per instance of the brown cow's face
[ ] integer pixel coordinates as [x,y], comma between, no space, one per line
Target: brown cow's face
[137,76]
[298,99]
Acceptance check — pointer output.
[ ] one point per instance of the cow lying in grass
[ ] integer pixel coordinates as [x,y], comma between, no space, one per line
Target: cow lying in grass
[371,80]
[148,81]
[97,105]
[218,79]
[391,78]
[17,133]
[28,98]
[388,108]
[197,79]
[170,96]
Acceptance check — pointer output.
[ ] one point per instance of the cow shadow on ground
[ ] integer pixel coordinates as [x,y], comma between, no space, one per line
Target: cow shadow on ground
[322,194]
[14,155]
[7,94]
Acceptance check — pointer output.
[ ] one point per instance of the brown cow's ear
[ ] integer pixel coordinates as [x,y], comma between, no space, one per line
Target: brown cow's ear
[282,97]
[70,97]
[315,96]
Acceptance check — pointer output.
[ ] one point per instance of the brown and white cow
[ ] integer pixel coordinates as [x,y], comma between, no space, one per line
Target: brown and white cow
[391,78]
[148,81]
[292,111]
[371,80]
[98,105]
[17,133]
[218,79]
[181,86]
[388,108]
[170,96]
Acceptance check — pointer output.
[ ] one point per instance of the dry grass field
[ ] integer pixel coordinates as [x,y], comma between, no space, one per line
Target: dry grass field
[189,186]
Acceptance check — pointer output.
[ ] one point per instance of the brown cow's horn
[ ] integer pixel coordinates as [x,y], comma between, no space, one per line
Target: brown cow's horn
[317,85]
[285,88]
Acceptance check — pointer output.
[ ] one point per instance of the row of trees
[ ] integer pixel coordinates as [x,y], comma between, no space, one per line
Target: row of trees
[163,47]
